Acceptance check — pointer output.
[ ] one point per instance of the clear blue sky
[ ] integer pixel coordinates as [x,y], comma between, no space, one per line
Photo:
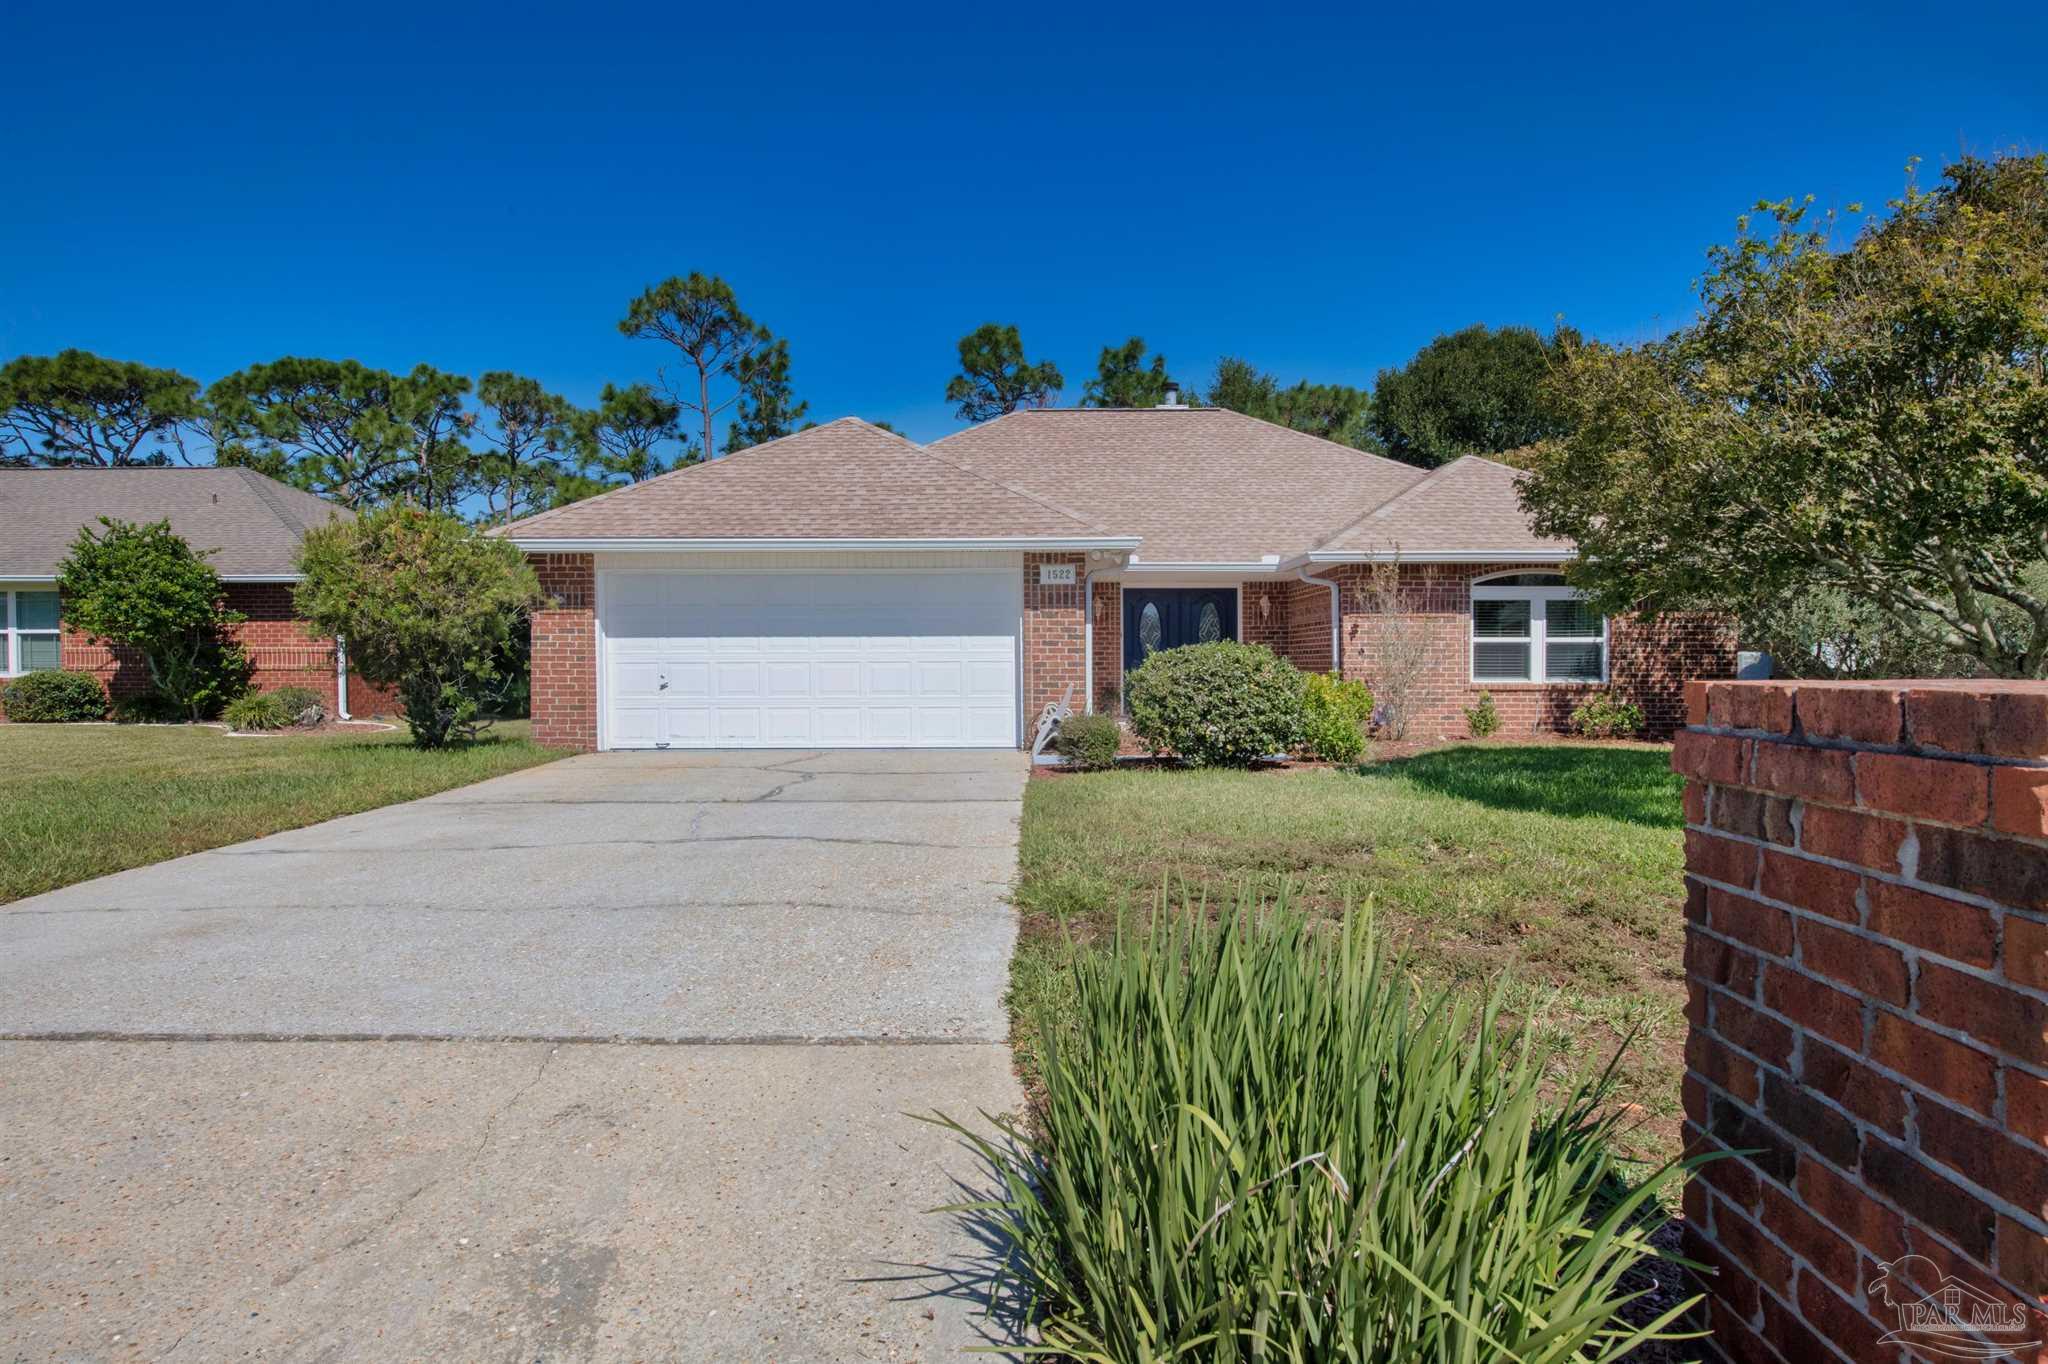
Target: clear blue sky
[486,187]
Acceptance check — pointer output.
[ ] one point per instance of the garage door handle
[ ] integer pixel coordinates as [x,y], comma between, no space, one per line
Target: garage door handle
[663,684]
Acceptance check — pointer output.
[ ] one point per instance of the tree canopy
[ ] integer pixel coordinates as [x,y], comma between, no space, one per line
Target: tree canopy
[1335,412]
[526,445]
[1870,419]
[702,319]
[1124,379]
[334,427]
[142,586]
[995,378]
[1474,392]
[75,408]
[768,408]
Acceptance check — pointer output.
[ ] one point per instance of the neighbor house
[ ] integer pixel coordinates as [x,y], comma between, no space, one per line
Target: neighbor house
[251,524]
[847,587]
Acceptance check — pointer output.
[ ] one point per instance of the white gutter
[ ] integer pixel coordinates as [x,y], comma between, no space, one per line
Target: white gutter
[341,679]
[543,545]
[1088,641]
[1336,620]
[1443,556]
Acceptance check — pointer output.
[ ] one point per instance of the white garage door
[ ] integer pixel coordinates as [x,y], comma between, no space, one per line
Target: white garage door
[793,660]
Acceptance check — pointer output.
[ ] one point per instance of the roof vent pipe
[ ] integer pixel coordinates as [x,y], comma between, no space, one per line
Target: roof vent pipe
[1172,395]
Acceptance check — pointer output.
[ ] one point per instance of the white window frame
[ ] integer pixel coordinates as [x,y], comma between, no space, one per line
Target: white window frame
[1538,636]
[11,632]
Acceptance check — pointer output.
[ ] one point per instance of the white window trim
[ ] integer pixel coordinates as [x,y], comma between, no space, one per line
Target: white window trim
[1538,637]
[11,633]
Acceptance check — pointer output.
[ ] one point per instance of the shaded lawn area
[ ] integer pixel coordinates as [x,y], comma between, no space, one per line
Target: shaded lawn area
[1554,868]
[86,800]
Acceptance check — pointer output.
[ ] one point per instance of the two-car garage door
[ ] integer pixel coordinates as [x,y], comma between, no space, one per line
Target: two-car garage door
[801,659]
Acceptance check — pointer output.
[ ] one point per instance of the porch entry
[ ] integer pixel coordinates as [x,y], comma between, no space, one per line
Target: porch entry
[1158,618]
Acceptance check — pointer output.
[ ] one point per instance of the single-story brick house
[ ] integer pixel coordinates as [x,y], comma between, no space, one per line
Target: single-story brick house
[252,524]
[847,587]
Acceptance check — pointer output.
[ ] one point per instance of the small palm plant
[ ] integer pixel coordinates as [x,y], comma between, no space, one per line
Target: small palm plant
[1256,1142]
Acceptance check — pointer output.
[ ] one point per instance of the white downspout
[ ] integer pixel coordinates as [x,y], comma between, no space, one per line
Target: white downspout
[341,678]
[1088,642]
[1336,619]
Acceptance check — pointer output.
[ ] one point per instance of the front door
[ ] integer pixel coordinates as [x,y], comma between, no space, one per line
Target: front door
[1158,618]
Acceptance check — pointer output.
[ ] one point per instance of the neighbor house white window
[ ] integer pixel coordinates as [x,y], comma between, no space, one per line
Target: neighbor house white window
[28,632]
[1530,627]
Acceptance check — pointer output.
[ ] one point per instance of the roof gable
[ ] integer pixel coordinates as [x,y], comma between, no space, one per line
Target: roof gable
[252,524]
[845,480]
[1468,506]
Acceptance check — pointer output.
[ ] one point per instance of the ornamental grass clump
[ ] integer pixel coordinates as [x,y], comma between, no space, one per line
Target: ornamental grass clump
[1258,1141]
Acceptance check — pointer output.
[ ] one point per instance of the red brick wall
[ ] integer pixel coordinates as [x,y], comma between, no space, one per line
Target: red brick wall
[1867,963]
[1109,647]
[284,652]
[1648,664]
[1055,632]
[564,678]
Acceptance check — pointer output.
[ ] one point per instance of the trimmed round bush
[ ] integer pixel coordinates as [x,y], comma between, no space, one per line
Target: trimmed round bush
[52,698]
[258,710]
[1224,704]
[1334,716]
[1089,742]
[302,704]
[1606,717]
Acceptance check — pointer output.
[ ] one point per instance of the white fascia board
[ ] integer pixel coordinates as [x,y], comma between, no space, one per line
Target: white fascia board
[1441,556]
[28,577]
[1247,568]
[542,545]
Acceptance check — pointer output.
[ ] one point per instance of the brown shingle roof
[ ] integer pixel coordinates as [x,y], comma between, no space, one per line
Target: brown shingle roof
[844,480]
[1199,484]
[254,524]
[1468,506]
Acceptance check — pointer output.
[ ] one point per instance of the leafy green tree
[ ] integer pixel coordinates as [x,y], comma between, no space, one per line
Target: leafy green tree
[429,607]
[1335,412]
[143,587]
[702,319]
[526,444]
[1241,386]
[1473,392]
[1869,419]
[75,408]
[995,378]
[623,438]
[767,408]
[332,427]
[442,471]
[1123,379]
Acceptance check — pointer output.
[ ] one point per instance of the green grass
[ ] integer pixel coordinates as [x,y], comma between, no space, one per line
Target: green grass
[1554,870]
[86,800]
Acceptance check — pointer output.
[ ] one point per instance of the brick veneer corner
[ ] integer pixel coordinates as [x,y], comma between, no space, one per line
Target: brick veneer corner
[1055,638]
[1867,969]
[564,664]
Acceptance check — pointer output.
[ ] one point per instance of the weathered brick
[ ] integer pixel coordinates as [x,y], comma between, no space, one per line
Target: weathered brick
[1696,701]
[1723,1278]
[1741,1237]
[2002,869]
[1985,1156]
[1696,802]
[2019,800]
[1815,1007]
[1764,927]
[1903,1178]
[1758,1034]
[1927,788]
[1932,923]
[1856,714]
[2026,952]
[1825,774]
[1863,964]
[1720,1066]
[1840,1076]
[2023,1257]
[1796,1112]
[1715,758]
[1948,1067]
[1738,1129]
[1750,705]
[1721,963]
[2014,1023]
[1850,1207]
[2026,1105]
[1811,885]
[2008,720]
[1831,1312]
[1753,814]
[1848,836]
[1731,1177]
[1722,859]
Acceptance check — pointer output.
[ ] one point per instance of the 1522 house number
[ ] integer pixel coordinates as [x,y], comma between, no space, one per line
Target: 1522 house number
[1055,575]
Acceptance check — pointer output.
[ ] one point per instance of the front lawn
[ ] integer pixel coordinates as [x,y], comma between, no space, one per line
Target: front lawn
[86,800]
[1556,867]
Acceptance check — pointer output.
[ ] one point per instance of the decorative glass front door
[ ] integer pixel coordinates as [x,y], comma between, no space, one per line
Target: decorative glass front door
[1167,617]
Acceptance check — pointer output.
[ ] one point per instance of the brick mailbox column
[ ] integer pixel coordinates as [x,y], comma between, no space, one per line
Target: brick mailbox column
[1866,954]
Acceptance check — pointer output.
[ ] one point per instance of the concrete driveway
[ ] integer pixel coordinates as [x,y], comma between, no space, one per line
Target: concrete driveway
[333,1094]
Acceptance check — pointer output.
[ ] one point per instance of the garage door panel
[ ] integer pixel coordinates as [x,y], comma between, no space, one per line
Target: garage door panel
[797,659]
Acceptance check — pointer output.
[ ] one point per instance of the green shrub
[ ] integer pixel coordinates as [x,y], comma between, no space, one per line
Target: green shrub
[1482,718]
[1335,714]
[1605,717]
[1259,1141]
[257,711]
[46,698]
[1224,704]
[1089,742]
[150,708]
[298,700]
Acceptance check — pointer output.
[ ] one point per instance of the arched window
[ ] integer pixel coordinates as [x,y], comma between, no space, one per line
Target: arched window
[1531,627]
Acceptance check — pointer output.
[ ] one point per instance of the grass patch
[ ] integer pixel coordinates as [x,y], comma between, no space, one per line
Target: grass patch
[86,800]
[1553,871]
